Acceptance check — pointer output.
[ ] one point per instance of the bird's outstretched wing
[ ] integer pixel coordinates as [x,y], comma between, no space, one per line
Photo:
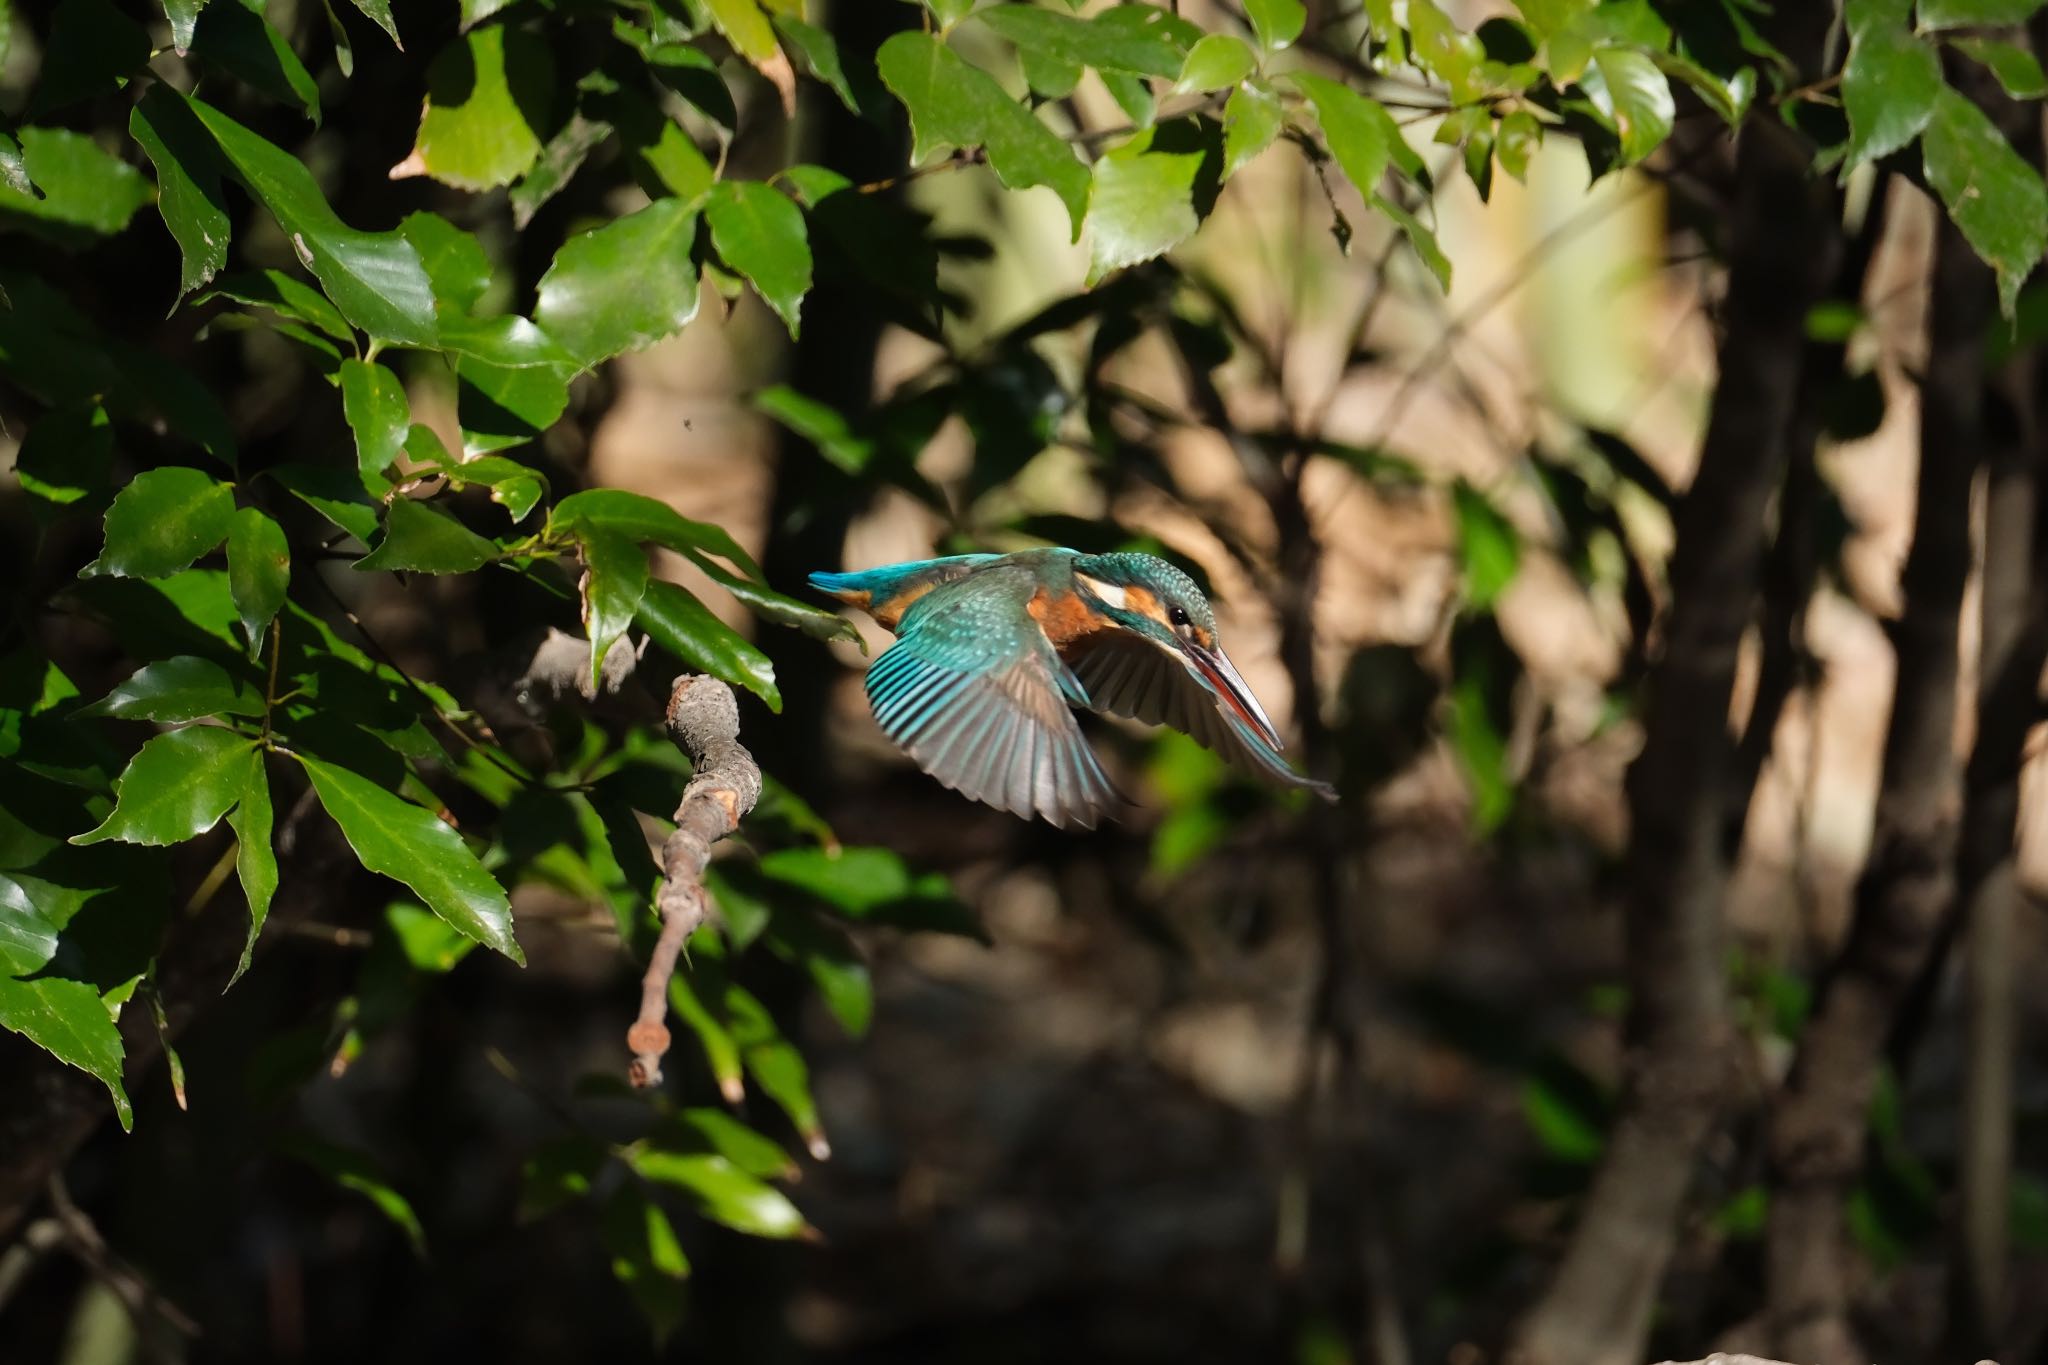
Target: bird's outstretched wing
[1127,675]
[974,692]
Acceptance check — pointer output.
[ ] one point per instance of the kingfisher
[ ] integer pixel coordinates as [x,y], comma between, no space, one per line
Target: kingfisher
[992,652]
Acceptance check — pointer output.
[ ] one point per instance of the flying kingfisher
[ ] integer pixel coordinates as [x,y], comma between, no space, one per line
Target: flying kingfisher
[992,650]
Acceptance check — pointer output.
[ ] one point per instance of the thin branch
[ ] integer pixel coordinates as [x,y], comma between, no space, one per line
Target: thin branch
[151,1311]
[704,721]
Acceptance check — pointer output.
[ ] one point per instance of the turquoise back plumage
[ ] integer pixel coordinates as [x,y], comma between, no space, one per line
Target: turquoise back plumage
[993,651]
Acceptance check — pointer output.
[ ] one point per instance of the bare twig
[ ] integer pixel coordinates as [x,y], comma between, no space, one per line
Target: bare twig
[704,721]
[151,1311]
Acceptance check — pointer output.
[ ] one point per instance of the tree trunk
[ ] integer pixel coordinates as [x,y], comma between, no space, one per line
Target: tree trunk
[1817,1127]
[1784,240]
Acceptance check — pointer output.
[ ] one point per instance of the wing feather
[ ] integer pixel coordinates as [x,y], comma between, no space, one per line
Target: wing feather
[977,696]
[1127,675]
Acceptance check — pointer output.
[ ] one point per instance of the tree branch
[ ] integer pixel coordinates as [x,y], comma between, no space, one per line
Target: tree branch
[704,721]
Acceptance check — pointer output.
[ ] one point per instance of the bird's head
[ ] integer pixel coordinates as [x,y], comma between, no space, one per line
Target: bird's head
[1151,598]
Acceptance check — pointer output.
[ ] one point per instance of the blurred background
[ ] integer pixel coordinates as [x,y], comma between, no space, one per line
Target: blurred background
[1235,1079]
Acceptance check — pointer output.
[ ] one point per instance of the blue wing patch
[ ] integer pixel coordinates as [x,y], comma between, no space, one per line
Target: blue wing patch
[976,696]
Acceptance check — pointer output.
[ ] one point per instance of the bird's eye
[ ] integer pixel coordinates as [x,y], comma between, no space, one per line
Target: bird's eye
[1178,616]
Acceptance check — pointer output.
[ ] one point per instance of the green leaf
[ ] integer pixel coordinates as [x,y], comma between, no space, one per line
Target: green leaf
[375,278]
[776,1066]
[622,286]
[488,95]
[162,521]
[1890,81]
[1109,42]
[259,571]
[560,159]
[1447,51]
[1217,62]
[817,54]
[1994,196]
[1133,95]
[234,37]
[428,943]
[559,1172]
[722,1133]
[503,406]
[255,856]
[13,172]
[721,1191]
[400,840]
[2017,69]
[614,581]
[67,456]
[85,190]
[422,538]
[721,1054]
[1634,95]
[1939,14]
[746,26]
[824,426]
[379,13]
[287,297]
[334,494]
[355,1171]
[1276,23]
[1143,203]
[685,627]
[176,787]
[454,260]
[374,404]
[646,1257]
[91,49]
[1360,132]
[1420,237]
[188,194]
[1519,138]
[663,158]
[780,608]
[1252,118]
[514,486]
[760,233]
[183,14]
[1488,545]
[871,885]
[181,688]
[66,1018]
[641,518]
[953,104]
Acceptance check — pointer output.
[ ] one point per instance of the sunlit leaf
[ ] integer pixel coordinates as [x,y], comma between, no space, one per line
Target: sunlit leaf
[375,278]
[488,96]
[623,286]
[177,786]
[953,104]
[181,688]
[423,538]
[685,627]
[1994,196]
[1890,80]
[759,233]
[255,855]
[259,571]
[162,521]
[394,837]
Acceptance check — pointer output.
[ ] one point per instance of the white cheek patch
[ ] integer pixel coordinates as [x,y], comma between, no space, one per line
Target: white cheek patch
[1110,593]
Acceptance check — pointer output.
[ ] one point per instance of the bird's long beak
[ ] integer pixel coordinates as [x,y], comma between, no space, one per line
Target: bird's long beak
[1215,666]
